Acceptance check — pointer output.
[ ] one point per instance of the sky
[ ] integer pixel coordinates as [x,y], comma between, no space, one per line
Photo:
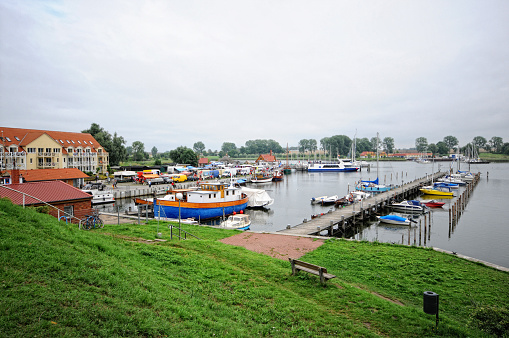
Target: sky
[171,73]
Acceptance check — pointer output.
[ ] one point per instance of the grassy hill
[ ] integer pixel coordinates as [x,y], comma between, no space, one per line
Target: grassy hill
[59,281]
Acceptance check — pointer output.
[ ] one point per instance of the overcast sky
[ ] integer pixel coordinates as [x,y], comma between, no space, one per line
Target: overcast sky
[171,73]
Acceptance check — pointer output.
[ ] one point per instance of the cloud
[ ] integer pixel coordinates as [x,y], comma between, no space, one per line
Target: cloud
[171,73]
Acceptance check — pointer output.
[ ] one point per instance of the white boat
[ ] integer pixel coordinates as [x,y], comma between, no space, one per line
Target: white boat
[318,200]
[258,198]
[393,219]
[410,206]
[100,196]
[237,221]
[359,195]
[338,166]
[373,186]
[262,178]
[330,200]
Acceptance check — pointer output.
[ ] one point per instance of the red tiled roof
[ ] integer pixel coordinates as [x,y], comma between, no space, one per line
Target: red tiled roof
[26,136]
[51,174]
[203,160]
[47,191]
[266,158]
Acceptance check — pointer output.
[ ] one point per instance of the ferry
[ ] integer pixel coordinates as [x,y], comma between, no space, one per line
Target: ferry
[209,200]
[334,166]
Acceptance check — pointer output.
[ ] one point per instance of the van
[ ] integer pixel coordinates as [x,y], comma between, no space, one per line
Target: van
[178,177]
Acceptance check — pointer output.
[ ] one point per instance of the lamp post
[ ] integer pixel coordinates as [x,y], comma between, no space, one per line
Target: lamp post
[179,197]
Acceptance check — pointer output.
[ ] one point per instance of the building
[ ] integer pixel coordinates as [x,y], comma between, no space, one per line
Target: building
[266,159]
[29,149]
[71,176]
[63,198]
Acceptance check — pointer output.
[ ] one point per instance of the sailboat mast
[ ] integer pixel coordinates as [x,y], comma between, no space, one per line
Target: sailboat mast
[377,155]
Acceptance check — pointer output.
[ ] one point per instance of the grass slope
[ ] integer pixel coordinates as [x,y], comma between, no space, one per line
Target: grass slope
[58,281]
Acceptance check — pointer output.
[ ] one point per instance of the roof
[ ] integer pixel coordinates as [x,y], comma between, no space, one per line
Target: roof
[266,158]
[203,160]
[47,191]
[51,174]
[22,137]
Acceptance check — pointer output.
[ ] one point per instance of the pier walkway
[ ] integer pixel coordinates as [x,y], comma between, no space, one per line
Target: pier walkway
[344,217]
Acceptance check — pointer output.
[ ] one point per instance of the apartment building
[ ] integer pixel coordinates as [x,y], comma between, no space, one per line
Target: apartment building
[27,149]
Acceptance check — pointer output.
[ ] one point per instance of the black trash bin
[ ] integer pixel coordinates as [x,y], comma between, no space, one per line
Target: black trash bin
[430,304]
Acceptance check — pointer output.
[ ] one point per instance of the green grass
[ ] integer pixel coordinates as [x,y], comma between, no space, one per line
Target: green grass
[58,281]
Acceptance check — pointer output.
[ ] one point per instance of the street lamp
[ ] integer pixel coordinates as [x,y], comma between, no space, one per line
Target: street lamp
[179,197]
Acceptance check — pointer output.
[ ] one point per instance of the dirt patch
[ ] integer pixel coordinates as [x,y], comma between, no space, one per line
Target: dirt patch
[277,246]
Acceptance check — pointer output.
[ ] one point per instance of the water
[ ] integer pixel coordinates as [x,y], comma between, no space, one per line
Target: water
[481,231]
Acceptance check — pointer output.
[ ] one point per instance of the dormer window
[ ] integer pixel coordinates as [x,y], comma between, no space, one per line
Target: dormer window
[8,139]
[72,141]
[79,141]
[85,142]
[17,138]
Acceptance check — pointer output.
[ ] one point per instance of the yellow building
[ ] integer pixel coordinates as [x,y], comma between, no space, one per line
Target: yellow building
[44,149]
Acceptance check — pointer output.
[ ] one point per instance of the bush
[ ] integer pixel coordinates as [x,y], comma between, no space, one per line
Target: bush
[493,320]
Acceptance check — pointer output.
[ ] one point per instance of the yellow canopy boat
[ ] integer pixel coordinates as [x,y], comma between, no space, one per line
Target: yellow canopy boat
[433,191]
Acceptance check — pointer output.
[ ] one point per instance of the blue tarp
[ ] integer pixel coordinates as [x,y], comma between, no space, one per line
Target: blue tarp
[394,218]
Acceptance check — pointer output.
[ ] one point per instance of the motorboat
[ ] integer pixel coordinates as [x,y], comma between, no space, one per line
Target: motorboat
[433,204]
[438,191]
[317,200]
[99,195]
[330,200]
[393,219]
[338,166]
[237,221]
[372,186]
[409,206]
[258,198]
[278,176]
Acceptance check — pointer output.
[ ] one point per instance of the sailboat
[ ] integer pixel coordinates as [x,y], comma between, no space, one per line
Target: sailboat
[287,169]
[373,186]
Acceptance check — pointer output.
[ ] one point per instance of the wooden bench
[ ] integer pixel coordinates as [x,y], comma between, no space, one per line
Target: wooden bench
[311,268]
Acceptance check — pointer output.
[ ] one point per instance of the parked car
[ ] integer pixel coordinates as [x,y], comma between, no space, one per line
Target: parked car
[158,180]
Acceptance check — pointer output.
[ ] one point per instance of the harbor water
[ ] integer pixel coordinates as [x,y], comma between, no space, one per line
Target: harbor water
[481,231]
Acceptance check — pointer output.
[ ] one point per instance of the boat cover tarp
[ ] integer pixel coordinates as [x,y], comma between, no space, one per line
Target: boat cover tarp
[374,182]
[257,197]
[394,218]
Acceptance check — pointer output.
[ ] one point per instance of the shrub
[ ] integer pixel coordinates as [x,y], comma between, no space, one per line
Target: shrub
[491,319]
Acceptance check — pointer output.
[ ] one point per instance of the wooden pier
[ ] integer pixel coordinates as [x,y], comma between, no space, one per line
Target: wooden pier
[338,221]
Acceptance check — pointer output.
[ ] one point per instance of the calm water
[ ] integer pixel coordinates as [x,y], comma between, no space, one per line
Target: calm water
[482,231]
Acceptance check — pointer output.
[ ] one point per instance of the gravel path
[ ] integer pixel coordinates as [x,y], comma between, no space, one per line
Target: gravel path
[275,245]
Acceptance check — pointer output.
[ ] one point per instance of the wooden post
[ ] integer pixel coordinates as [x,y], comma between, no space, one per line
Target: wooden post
[420,233]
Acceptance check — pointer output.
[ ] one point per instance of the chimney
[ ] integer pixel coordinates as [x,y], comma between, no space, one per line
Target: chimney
[15,176]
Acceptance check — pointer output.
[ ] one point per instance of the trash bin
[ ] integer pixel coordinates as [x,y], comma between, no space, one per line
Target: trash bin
[430,304]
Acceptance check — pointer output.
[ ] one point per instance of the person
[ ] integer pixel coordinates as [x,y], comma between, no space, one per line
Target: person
[149,184]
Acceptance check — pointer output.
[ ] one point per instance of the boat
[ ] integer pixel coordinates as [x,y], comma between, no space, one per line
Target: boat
[338,166]
[373,186]
[330,200]
[278,176]
[318,200]
[438,191]
[393,219]
[433,204]
[258,198]
[208,200]
[262,177]
[408,206]
[237,221]
[99,196]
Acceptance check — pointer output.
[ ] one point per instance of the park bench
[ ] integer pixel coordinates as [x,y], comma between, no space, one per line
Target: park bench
[311,268]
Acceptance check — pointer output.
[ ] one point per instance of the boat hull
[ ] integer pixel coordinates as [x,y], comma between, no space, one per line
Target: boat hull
[436,192]
[394,220]
[325,170]
[170,209]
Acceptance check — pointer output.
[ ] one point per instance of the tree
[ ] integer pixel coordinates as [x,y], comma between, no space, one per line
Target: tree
[496,144]
[118,152]
[303,145]
[184,155]
[451,142]
[263,147]
[505,148]
[373,144]
[433,148]
[479,142]
[388,144]
[421,144]
[154,152]
[229,148]
[138,151]
[199,147]
[362,145]
[442,148]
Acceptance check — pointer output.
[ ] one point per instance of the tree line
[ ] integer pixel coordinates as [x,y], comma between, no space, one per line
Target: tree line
[335,145]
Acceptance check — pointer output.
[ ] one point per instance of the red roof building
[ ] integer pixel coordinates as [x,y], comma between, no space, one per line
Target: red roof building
[268,158]
[61,196]
[71,176]
[46,149]
[203,161]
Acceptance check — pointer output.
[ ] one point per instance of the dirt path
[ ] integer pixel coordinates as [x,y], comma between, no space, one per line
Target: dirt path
[275,245]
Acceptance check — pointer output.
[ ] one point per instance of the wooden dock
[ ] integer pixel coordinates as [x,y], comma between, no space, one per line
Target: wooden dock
[341,219]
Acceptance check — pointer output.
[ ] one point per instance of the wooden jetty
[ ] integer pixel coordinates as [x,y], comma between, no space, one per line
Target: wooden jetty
[341,219]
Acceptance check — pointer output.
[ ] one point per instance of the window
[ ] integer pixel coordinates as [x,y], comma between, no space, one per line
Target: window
[85,142]
[69,210]
[68,141]
[61,141]
[8,139]
[56,150]
[90,142]
[31,161]
[48,150]
[17,138]
[40,150]
[31,150]
[79,141]
[72,141]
